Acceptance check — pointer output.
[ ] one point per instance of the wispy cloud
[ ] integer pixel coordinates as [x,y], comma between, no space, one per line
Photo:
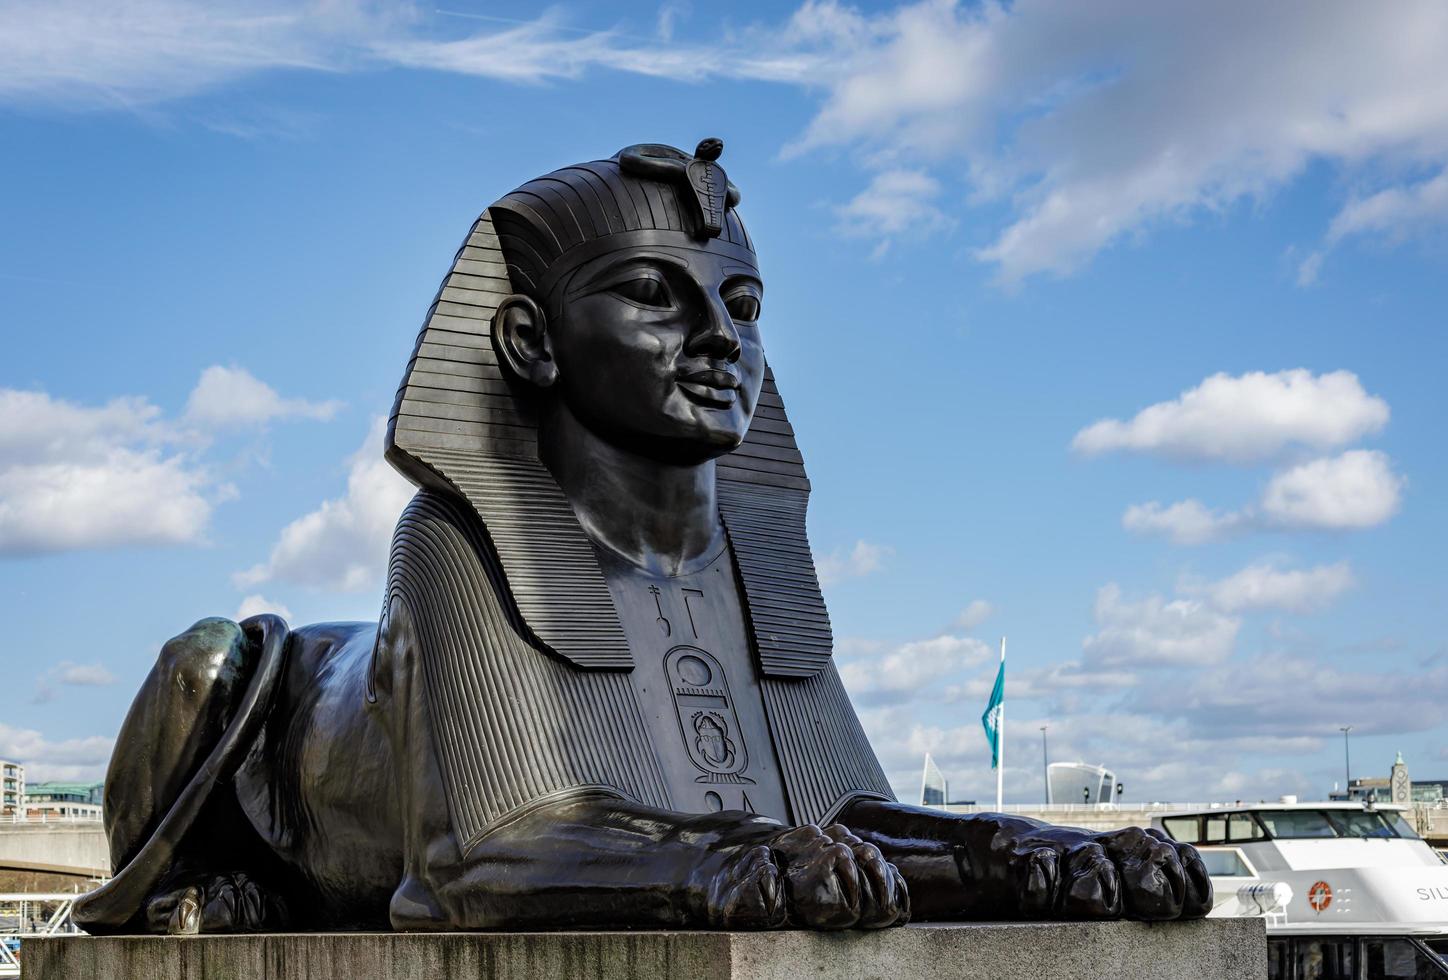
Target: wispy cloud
[1266,585]
[227,397]
[1082,125]
[864,558]
[69,759]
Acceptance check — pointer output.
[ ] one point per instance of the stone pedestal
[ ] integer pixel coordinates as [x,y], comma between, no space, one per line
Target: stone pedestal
[1215,949]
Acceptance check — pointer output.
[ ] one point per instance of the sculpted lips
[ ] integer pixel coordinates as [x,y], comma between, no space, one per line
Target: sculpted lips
[716,389]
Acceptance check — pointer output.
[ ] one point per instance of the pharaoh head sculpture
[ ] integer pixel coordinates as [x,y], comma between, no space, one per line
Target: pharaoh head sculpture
[603,289]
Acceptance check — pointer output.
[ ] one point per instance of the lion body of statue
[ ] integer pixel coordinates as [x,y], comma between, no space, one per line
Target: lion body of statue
[601,692]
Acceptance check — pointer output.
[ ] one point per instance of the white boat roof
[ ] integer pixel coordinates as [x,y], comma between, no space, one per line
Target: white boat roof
[1192,810]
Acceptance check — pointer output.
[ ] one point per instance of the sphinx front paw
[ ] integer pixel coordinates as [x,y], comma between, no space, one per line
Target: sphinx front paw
[1131,873]
[212,903]
[812,879]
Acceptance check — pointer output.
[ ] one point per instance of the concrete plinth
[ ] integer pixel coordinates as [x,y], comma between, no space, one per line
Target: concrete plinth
[1217,949]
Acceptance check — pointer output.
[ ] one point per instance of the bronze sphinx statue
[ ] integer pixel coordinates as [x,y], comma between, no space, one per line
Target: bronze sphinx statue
[600,693]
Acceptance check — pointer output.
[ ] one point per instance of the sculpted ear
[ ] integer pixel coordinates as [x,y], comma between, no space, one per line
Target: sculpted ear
[520,334]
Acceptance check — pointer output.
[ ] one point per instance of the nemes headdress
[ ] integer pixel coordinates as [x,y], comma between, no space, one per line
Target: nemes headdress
[457,424]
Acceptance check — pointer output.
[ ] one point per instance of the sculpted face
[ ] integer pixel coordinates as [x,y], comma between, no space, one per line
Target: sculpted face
[657,350]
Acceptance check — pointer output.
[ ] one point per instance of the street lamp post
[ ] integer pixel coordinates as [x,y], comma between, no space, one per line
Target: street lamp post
[1045,765]
[1346,763]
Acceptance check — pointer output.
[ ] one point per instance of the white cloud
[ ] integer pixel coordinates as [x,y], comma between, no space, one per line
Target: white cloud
[1184,522]
[1154,632]
[863,559]
[232,396]
[1394,213]
[1247,418]
[75,477]
[123,54]
[1264,585]
[342,545]
[84,675]
[1083,124]
[78,759]
[256,604]
[975,613]
[1289,697]
[1354,490]
[910,670]
[71,675]
[144,51]
[1095,122]
[895,202]
[1309,269]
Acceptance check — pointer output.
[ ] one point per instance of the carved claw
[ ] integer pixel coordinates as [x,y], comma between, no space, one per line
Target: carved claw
[884,899]
[234,903]
[834,880]
[812,879]
[1153,883]
[185,918]
[1091,887]
[1037,872]
[748,893]
[210,904]
[1198,900]
[819,878]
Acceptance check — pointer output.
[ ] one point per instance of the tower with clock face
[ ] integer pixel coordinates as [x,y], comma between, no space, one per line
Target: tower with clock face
[1402,785]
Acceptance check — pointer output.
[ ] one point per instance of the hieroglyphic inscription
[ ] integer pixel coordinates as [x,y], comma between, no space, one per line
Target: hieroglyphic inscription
[707,720]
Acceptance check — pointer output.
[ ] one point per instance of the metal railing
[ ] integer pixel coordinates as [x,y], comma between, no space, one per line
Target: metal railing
[17,817]
[1034,808]
[26,916]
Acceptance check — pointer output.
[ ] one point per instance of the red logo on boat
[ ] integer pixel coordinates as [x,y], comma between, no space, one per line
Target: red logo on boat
[1319,896]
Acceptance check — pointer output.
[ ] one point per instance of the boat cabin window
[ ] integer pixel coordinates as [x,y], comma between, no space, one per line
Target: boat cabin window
[1184,829]
[1297,823]
[1397,959]
[1225,863]
[1325,959]
[1402,826]
[1214,828]
[1361,823]
[1241,827]
[1338,957]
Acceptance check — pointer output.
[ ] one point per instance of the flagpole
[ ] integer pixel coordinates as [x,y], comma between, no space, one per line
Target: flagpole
[1001,739]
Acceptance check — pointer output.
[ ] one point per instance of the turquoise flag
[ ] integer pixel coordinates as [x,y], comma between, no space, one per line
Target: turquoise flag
[992,717]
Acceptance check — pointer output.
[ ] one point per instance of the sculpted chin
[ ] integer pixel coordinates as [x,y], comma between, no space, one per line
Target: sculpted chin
[601,691]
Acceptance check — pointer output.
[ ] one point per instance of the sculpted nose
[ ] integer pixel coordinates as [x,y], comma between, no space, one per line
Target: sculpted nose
[715,336]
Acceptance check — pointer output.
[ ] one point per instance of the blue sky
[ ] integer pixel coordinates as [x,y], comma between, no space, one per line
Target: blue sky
[1118,333]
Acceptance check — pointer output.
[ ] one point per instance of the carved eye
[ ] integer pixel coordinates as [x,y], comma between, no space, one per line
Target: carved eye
[743,306]
[645,291]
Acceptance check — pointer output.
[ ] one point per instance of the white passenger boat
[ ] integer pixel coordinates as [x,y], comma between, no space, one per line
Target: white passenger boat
[1349,890]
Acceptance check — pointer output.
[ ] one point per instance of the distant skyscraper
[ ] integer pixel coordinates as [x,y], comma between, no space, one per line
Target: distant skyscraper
[934,790]
[1077,782]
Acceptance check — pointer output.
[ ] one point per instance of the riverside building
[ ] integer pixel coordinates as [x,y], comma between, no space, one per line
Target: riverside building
[12,787]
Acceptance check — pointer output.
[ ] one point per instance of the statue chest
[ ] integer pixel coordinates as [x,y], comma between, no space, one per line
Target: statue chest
[697,686]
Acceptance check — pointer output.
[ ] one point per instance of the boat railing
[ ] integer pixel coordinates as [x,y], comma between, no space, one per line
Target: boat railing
[1036,808]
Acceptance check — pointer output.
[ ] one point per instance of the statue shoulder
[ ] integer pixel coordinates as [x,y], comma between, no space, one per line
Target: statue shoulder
[442,556]
[436,525]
